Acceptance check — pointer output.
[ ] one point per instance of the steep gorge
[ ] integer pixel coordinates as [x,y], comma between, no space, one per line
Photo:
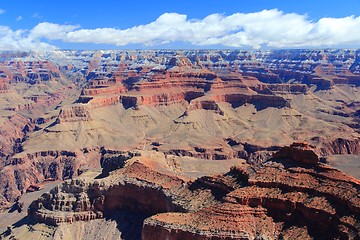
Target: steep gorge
[65,112]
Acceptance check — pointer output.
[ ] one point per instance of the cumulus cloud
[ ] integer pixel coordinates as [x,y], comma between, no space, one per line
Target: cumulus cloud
[20,41]
[267,28]
[19,18]
[51,31]
[2,11]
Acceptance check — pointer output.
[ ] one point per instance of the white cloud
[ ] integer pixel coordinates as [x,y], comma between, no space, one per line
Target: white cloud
[19,18]
[20,41]
[270,28]
[2,11]
[51,31]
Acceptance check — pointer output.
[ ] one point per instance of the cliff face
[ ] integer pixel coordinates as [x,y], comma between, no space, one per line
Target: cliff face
[213,105]
[22,171]
[341,146]
[288,196]
[236,77]
[74,114]
[32,72]
[180,81]
[270,199]
[136,188]
[12,131]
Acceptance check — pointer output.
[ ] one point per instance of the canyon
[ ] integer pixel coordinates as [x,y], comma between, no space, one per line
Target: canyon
[190,144]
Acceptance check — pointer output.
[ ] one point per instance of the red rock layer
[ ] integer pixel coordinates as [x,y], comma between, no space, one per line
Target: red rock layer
[181,82]
[286,197]
[30,71]
[24,170]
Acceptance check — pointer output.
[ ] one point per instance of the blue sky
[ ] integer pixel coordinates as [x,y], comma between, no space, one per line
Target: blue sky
[46,25]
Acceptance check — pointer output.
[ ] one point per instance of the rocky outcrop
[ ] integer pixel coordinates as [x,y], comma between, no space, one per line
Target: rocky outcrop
[12,131]
[300,152]
[32,72]
[103,101]
[201,88]
[283,197]
[156,99]
[273,196]
[180,81]
[229,149]
[286,88]
[111,89]
[24,170]
[341,146]
[74,114]
[247,222]
[206,105]
[112,160]
[136,188]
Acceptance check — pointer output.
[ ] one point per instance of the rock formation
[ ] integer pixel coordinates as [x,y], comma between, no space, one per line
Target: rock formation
[300,152]
[285,197]
[64,112]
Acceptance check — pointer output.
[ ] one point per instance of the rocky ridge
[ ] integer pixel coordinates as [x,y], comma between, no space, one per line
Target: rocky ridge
[220,104]
[290,195]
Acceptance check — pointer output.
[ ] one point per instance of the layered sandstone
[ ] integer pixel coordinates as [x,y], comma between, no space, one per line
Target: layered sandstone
[73,114]
[208,104]
[30,71]
[285,197]
[271,198]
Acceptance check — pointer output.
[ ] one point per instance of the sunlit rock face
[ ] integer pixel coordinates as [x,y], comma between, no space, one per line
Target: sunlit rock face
[187,117]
